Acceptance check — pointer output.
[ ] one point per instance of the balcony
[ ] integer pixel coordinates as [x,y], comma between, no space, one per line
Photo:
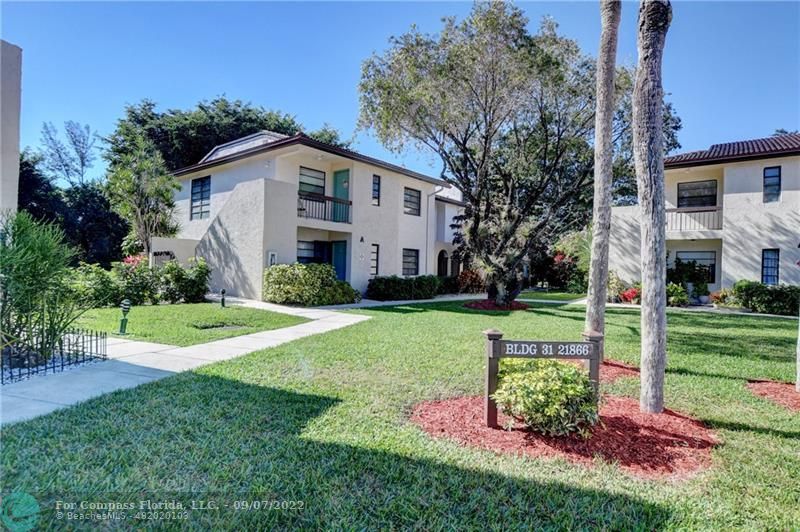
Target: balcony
[318,207]
[694,219]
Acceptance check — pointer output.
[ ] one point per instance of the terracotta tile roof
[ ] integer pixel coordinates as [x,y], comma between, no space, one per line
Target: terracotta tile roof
[740,150]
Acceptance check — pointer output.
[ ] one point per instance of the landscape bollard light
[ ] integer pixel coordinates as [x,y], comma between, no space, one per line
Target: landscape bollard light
[222,299]
[125,306]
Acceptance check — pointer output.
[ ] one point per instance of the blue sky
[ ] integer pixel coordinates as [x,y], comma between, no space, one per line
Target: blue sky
[732,68]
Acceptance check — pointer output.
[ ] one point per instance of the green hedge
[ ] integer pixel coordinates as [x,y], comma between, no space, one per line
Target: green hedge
[554,398]
[394,288]
[133,279]
[767,299]
[307,285]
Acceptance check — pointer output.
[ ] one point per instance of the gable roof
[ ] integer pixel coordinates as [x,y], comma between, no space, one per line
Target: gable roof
[266,141]
[775,146]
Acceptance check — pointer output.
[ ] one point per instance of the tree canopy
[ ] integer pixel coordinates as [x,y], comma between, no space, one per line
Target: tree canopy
[510,114]
[183,137]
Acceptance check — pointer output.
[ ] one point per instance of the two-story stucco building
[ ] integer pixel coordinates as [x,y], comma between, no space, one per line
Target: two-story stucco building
[274,199]
[734,207]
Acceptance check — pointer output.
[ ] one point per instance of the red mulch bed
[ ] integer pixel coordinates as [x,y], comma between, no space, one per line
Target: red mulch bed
[780,393]
[488,304]
[662,445]
[611,370]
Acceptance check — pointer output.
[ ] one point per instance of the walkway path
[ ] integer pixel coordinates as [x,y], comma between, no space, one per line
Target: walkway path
[133,363]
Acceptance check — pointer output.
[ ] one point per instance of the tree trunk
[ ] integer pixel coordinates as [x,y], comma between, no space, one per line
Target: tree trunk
[648,150]
[797,377]
[603,155]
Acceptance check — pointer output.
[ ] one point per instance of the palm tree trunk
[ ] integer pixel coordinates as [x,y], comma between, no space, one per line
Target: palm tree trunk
[603,155]
[648,150]
[797,365]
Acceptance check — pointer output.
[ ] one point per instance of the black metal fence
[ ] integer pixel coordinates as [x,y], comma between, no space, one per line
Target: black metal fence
[23,359]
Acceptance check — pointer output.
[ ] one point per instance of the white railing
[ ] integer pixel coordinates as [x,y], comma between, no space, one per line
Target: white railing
[694,219]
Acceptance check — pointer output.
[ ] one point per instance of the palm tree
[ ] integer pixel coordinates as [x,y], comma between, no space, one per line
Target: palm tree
[648,150]
[603,155]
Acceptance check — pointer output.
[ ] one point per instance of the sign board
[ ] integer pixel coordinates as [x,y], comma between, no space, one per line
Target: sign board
[590,350]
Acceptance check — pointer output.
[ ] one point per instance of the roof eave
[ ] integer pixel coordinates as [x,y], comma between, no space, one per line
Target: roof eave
[731,159]
[311,143]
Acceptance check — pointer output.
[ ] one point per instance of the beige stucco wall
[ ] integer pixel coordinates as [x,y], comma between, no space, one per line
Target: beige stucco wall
[687,175]
[625,243]
[750,225]
[183,249]
[10,94]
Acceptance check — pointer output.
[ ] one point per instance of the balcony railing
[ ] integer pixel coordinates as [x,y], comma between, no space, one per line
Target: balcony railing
[325,208]
[694,219]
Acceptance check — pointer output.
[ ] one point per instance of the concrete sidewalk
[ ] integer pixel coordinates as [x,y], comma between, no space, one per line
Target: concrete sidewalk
[133,363]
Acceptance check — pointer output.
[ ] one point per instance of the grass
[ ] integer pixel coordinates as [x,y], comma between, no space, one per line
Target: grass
[323,420]
[187,324]
[551,296]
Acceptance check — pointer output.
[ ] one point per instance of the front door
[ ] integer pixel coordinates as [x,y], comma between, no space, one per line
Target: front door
[339,252]
[341,184]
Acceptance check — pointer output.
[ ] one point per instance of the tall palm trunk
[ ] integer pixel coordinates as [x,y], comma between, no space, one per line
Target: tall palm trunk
[797,377]
[603,155]
[648,150]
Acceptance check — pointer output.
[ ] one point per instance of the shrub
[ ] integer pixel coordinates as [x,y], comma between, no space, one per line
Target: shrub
[676,295]
[195,282]
[97,286]
[700,289]
[448,285]
[631,295]
[306,285]
[470,282]
[615,287]
[173,279]
[39,303]
[723,297]
[767,299]
[138,282]
[550,397]
[394,288]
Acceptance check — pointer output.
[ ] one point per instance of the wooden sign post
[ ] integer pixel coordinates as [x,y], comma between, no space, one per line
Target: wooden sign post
[590,350]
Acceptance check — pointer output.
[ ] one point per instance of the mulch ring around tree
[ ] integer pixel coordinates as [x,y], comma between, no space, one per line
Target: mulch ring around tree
[654,446]
[488,304]
[781,393]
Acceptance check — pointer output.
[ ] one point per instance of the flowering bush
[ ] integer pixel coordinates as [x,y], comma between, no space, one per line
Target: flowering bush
[631,295]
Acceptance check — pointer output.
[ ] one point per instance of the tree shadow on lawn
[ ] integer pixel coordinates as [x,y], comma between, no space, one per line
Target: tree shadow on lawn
[219,438]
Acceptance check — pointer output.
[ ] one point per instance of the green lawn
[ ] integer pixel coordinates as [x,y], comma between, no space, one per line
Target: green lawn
[323,420]
[188,324]
[551,296]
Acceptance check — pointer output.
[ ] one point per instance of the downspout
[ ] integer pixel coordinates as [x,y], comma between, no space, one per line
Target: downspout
[436,190]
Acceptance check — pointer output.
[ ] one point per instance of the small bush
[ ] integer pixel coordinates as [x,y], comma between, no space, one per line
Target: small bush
[173,278]
[676,295]
[700,289]
[723,297]
[195,282]
[306,285]
[631,295]
[550,397]
[471,282]
[138,282]
[767,299]
[96,286]
[394,288]
[615,287]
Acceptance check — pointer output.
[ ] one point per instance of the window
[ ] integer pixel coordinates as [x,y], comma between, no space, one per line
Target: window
[697,194]
[772,184]
[410,261]
[374,255]
[702,258]
[305,252]
[411,201]
[312,181]
[770,264]
[376,190]
[201,198]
